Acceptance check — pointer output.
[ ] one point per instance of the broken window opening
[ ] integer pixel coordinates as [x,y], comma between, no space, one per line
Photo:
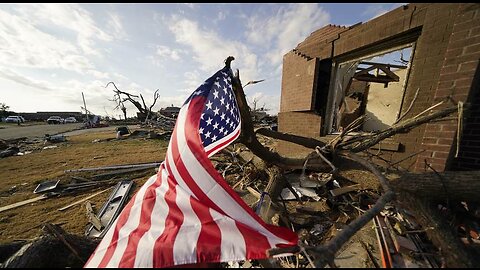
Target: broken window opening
[373,85]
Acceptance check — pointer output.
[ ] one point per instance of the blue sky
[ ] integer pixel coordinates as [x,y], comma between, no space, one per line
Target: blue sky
[51,53]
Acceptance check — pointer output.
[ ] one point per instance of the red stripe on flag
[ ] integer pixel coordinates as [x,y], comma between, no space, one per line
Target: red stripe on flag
[256,244]
[209,241]
[148,202]
[163,248]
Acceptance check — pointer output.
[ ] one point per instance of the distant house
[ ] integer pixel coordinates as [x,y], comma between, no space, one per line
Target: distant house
[171,111]
[397,64]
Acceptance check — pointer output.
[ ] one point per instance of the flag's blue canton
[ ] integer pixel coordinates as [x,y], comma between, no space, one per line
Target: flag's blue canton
[220,116]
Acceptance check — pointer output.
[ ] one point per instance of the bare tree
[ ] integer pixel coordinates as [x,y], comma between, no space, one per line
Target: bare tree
[120,97]
[3,109]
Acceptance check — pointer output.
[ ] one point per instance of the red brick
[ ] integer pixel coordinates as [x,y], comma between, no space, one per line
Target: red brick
[461,90]
[464,25]
[456,76]
[450,53]
[448,70]
[447,127]
[434,127]
[439,134]
[442,85]
[468,66]
[426,154]
[442,148]
[460,35]
[442,141]
[460,97]
[472,48]
[442,155]
[475,31]
[465,17]
[464,82]
[443,93]
[464,42]
[429,140]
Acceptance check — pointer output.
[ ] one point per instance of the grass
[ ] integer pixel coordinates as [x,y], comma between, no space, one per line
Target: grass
[20,175]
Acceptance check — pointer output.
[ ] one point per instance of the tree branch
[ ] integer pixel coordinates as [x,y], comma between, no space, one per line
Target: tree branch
[303,141]
[249,139]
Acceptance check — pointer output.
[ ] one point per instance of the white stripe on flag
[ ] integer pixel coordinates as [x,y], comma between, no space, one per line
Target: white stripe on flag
[176,174]
[233,244]
[145,248]
[185,245]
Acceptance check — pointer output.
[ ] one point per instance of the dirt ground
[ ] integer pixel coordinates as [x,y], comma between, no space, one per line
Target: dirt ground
[19,175]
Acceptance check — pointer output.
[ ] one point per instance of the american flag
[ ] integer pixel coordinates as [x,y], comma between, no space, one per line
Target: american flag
[187,213]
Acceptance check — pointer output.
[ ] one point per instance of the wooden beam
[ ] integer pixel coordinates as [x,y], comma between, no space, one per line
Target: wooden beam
[343,190]
[372,78]
[82,200]
[15,205]
[388,65]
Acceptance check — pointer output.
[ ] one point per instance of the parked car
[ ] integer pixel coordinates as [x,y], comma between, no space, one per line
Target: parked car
[70,120]
[55,120]
[14,119]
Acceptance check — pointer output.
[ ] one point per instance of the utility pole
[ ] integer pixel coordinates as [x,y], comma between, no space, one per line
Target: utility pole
[85,106]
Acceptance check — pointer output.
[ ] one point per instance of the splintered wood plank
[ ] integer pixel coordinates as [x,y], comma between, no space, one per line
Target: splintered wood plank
[18,204]
[343,190]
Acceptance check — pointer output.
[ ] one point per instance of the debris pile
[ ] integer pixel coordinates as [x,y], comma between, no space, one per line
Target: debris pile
[23,146]
[162,122]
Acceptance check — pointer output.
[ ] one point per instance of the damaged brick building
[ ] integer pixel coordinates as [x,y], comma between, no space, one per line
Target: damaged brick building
[419,54]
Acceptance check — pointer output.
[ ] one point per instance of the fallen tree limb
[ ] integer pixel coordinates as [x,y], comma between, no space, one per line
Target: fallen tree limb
[249,139]
[303,141]
[460,185]
[366,142]
[443,236]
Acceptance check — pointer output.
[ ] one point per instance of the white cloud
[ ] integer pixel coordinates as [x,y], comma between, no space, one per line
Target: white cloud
[115,24]
[283,31]
[71,17]
[169,101]
[221,15]
[20,79]
[271,103]
[26,46]
[68,94]
[210,49]
[99,75]
[164,51]
[192,81]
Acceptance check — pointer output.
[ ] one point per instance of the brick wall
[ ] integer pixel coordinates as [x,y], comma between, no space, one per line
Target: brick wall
[445,59]
[469,154]
[427,65]
[318,44]
[459,79]
[298,77]
[298,123]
